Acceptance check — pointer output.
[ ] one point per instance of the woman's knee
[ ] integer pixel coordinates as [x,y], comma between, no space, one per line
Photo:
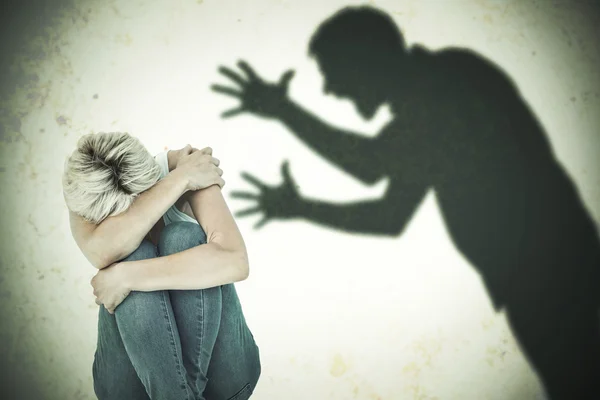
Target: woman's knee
[179,236]
[140,315]
[144,251]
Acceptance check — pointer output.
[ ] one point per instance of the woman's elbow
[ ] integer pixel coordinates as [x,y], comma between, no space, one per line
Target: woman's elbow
[235,260]
[98,259]
[242,267]
[101,253]
[101,260]
[243,275]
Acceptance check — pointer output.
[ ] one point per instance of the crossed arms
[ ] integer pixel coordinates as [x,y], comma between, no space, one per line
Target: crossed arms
[222,260]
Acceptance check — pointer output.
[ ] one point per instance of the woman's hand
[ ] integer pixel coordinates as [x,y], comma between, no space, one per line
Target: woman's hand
[198,167]
[110,286]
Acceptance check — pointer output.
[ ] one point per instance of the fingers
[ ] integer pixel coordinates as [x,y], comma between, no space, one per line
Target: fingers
[285,171]
[287,176]
[248,211]
[204,156]
[233,112]
[207,150]
[286,78]
[187,149]
[253,180]
[226,90]
[234,76]
[109,307]
[261,223]
[244,195]
[244,66]
[217,180]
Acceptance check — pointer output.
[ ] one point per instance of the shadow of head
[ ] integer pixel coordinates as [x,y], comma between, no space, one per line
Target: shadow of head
[359,50]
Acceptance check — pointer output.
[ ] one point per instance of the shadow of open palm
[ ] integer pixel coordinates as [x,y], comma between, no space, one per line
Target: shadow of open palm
[255,94]
[274,202]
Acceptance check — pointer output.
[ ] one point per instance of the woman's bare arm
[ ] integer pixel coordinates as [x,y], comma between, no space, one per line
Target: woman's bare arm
[222,260]
[118,236]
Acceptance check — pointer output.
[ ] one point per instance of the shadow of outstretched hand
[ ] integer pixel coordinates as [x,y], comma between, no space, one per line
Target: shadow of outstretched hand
[255,94]
[275,202]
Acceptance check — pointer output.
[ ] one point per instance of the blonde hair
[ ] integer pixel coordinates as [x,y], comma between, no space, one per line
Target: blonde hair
[105,173]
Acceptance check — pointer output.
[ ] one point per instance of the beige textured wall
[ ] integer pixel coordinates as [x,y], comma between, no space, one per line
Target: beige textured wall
[347,316]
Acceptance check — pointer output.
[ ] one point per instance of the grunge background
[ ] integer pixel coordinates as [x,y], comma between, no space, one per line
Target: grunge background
[336,316]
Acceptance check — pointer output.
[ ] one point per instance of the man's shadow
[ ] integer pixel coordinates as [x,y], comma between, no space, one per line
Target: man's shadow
[461,128]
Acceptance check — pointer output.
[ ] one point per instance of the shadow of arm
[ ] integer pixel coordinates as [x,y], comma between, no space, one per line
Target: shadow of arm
[387,216]
[344,149]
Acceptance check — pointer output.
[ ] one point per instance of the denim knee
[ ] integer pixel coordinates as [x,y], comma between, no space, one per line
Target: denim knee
[145,250]
[179,236]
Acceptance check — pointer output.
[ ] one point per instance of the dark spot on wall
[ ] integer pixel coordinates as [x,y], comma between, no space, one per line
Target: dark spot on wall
[22,21]
[95,96]
[61,120]
[10,125]
[586,96]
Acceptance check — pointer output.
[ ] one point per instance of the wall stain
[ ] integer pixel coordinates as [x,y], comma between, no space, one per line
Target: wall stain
[425,350]
[38,48]
[487,324]
[338,367]
[124,39]
[62,120]
[420,393]
[361,387]
[496,355]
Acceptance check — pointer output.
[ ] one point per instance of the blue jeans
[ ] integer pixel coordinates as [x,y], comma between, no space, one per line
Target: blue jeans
[177,344]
